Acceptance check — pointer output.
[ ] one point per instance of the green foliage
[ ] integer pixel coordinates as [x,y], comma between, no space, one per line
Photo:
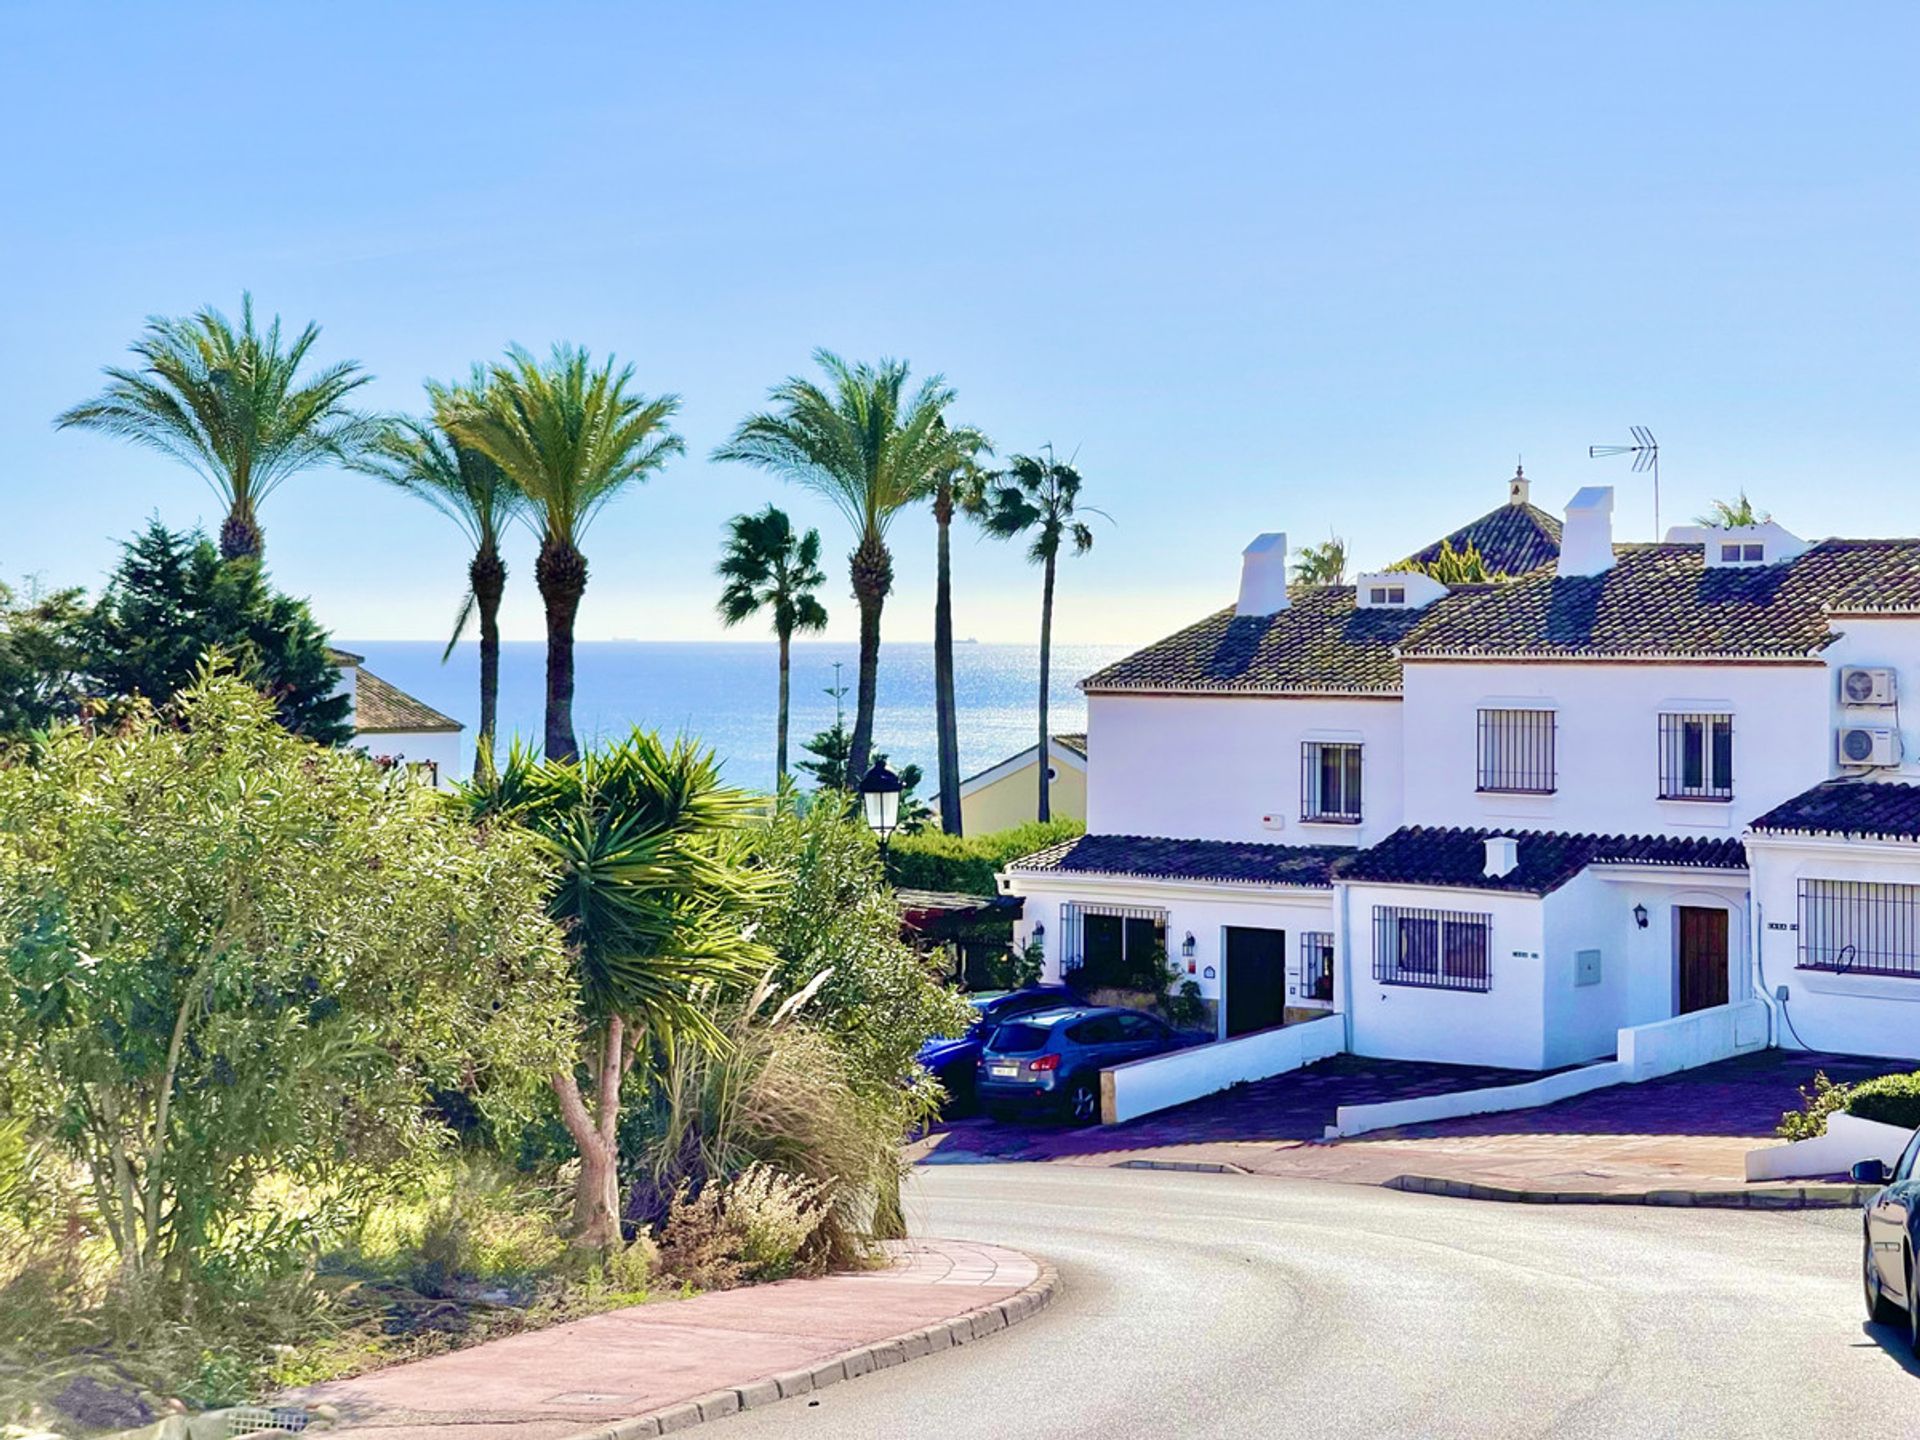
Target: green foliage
[836,786]
[1889,1099]
[1454,567]
[172,601]
[1015,969]
[767,567]
[967,864]
[1323,564]
[1732,514]
[232,405]
[1036,494]
[44,648]
[231,954]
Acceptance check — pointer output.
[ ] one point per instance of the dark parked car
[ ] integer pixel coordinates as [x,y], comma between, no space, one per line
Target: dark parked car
[1893,1241]
[1051,1060]
[952,1061]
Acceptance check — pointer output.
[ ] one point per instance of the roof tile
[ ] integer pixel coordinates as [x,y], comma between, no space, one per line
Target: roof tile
[381,708]
[1455,859]
[1863,809]
[1151,857]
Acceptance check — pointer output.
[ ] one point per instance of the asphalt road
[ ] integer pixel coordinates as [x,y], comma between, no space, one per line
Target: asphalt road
[1200,1305]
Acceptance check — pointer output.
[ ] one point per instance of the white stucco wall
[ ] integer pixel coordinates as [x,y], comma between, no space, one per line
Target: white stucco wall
[1607,742]
[1892,641]
[416,747]
[1853,1014]
[1210,767]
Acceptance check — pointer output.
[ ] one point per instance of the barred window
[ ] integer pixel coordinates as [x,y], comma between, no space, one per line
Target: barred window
[1330,782]
[1860,927]
[1437,949]
[1696,757]
[1316,965]
[1112,944]
[1516,751]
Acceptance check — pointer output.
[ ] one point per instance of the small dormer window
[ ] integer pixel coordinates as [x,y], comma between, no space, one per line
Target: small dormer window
[1743,554]
[1387,595]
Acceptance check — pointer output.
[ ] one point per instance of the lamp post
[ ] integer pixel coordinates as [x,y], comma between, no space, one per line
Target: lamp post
[880,802]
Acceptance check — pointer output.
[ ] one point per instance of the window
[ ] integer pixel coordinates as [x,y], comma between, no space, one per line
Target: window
[1696,757]
[1118,945]
[1316,965]
[1386,595]
[1437,949]
[1139,1029]
[1746,554]
[1330,782]
[1860,927]
[1516,751]
[1903,1168]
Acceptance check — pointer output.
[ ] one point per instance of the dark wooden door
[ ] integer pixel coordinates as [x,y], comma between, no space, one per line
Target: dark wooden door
[1256,978]
[1703,957]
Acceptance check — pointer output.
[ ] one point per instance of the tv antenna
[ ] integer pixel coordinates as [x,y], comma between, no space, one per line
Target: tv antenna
[1646,456]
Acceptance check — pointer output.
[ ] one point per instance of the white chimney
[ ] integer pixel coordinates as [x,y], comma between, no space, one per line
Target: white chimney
[1586,539]
[1263,576]
[1519,489]
[1503,853]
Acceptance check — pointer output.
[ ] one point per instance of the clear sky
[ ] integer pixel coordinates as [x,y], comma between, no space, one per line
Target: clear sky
[1299,267]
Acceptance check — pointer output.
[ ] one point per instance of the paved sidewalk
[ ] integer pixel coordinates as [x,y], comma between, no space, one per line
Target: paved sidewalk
[555,1383]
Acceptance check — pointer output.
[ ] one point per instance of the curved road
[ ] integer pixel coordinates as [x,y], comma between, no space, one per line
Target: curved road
[1200,1305]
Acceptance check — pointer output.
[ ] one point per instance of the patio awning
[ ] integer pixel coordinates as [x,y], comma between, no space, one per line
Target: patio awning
[937,912]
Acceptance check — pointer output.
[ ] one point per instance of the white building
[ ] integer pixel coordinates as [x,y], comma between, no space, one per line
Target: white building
[395,728]
[1496,823]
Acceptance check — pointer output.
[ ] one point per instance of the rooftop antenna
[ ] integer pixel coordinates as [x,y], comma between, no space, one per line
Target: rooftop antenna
[1646,456]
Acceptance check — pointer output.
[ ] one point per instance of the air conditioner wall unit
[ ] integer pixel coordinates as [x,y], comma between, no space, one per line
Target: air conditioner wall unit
[1869,746]
[1867,685]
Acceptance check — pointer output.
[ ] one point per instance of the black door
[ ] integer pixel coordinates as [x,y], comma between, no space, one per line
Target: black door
[1256,978]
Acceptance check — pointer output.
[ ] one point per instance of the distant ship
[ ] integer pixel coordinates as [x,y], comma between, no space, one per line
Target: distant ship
[970,640]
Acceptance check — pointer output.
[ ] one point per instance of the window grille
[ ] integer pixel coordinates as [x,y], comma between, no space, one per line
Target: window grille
[1330,782]
[1860,927]
[1316,965]
[1696,757]
[1109,934]
[1516,751]
[1435,949]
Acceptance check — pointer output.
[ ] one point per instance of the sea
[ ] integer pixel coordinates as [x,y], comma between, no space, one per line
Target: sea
[725,694]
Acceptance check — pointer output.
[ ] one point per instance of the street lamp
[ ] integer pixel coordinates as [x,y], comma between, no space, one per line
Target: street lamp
[880,800]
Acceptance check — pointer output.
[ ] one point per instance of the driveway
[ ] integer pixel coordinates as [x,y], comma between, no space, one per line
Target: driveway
[1223,1306]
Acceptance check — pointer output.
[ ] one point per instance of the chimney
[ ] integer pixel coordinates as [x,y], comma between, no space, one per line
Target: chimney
[1519,487]
[1586,539]
[1503,854]
[1263,576]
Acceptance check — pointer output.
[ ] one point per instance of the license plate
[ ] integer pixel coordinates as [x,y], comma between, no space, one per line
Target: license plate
[1004,1072]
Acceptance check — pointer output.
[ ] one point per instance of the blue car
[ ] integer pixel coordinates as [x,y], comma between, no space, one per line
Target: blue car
[1049,1062]
[1892,1222]
[954,1062]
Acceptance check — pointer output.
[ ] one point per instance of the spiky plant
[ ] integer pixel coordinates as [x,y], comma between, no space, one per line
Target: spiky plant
[1732,514]
[232,405]
[871,449]
[1324,564]
[768,568]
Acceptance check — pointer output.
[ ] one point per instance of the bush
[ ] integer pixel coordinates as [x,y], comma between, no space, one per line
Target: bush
[775,1217]
[966,864]
[1889,1099]
[697,1247]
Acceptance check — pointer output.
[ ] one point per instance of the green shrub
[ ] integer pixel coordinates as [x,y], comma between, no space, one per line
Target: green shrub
[1889,1099]
[966,864]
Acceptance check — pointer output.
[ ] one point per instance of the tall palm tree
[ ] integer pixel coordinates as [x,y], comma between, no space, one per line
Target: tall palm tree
[570,436]
[870,449]
[767,568]
[1324,564]
[1038,495]
[423,458]
[957,488]
[1732,514]
[232,405]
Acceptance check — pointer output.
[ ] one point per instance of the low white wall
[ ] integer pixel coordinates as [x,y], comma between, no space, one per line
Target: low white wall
[1385,1114]
[1848,1140]
[1686,1041]
[1141,1087]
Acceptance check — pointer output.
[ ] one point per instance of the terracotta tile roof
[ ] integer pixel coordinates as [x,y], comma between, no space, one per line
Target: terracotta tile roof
[1150,857]
[1857,809]
[344,659]
[1456,859]
[1665,600]
[1076,743]
[380,708]
[1513,540]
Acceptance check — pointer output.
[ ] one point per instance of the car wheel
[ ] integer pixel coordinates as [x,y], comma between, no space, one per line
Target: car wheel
[1880,1310]
[1083,1103]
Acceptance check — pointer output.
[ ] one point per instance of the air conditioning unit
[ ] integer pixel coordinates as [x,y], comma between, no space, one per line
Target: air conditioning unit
[1866,685]
[1869,745]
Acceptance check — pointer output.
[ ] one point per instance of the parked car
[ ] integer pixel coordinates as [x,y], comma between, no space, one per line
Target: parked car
[953,1061]
[1892,1243]
[1050,1061]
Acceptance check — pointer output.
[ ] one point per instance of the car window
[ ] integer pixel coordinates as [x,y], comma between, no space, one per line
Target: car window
[1904,1170]
[1096,1030]
[1140,1027]
[1019,1039]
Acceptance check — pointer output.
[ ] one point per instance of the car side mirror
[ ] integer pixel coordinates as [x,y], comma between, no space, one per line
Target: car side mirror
[1871,1172]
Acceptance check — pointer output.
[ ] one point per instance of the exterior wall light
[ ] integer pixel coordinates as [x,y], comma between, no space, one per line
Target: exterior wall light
[1186,946]
[1640,916]
[1040,931]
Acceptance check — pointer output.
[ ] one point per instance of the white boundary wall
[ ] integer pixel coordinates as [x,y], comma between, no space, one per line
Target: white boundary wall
[1141,1087]
[1848,1140]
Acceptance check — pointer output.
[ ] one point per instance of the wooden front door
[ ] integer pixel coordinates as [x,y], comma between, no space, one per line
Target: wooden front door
[1256,978]
[1703,957]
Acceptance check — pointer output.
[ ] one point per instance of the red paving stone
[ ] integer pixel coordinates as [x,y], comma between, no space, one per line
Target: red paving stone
[552,1383]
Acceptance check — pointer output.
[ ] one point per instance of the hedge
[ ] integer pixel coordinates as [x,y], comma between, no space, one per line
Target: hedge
[966,864]
[1889,1099]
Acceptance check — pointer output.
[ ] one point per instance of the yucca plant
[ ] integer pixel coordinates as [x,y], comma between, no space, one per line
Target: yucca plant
[232,405]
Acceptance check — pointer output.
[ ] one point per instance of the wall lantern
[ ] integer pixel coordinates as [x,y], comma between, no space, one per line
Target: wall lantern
[1186,947]
[1640,916]
[1039,933]
[880,800]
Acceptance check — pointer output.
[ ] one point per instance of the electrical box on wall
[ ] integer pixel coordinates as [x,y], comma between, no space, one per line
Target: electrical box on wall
[1273,822]
[1586,967]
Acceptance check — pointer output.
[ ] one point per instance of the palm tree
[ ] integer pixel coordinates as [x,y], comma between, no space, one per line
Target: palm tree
[766,568]
[569,437]
[871,450]
[423,458]
[232,405]
[1732,514]
[1039,495]
[959,487]
[1322,564]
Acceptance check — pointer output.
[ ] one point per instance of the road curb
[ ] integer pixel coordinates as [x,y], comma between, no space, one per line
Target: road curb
[1770,1197]
[963,1329]
[1194,1167]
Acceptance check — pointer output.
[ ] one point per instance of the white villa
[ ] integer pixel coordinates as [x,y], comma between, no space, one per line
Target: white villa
[1501,824]
[395,728]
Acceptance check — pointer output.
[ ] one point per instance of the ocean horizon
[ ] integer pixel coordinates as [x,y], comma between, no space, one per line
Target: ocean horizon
[724,693]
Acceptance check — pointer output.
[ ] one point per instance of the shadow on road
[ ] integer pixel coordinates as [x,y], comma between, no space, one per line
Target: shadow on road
[1893,1340]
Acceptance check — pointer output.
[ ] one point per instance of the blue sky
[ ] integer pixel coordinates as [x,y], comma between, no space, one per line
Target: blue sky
[1263,267]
